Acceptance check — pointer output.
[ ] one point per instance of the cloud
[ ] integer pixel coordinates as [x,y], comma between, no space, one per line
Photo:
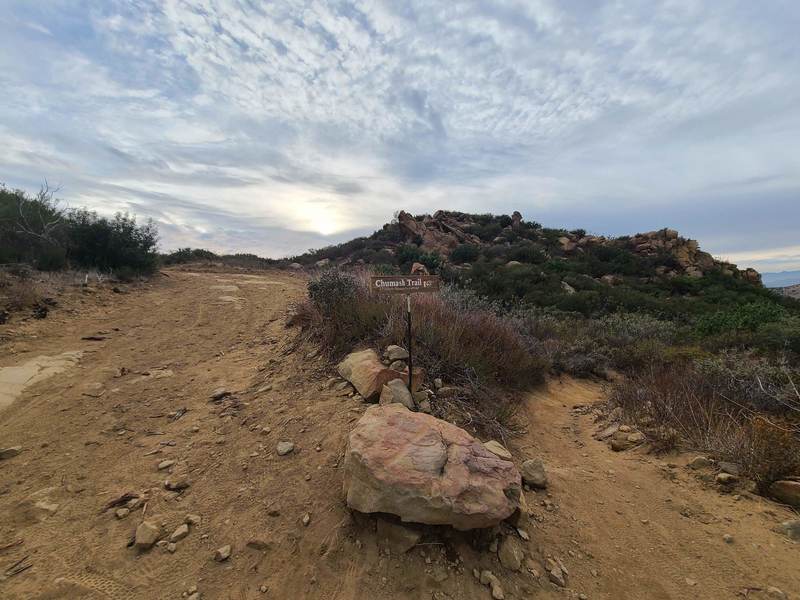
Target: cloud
[281,125]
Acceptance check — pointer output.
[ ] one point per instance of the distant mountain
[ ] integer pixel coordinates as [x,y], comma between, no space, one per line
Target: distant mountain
[781,279]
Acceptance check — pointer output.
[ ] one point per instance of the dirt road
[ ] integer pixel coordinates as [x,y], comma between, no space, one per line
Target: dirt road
[116,407]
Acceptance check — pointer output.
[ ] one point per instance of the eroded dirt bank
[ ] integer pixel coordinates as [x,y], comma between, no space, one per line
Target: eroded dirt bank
[626,525]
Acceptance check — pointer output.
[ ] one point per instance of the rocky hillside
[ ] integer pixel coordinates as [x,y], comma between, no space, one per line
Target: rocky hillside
[445,231]
[455,239]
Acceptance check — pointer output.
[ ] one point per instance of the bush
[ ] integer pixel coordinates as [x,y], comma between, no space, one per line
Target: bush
[188,255]
[465,253]
[737,409]
[37,231]
[111,244]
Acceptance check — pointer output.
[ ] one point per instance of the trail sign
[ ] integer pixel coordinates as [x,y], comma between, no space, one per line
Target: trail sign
[405,284]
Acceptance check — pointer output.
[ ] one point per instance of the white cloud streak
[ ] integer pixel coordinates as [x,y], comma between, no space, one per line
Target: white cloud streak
[226,119]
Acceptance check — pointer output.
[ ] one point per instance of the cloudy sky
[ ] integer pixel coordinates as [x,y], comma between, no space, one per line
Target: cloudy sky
[273,127]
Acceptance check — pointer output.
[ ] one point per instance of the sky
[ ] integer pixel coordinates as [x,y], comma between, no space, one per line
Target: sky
[275,127]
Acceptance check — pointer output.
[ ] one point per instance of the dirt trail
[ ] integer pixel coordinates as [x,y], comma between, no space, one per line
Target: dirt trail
[101,427]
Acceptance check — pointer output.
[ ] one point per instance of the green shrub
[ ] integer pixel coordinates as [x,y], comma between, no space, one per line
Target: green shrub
[111,244]
[465,253]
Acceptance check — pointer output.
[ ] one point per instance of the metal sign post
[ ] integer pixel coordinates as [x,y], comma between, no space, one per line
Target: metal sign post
[405,284]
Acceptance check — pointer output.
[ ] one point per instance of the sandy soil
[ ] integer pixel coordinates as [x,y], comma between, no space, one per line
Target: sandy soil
[626,525]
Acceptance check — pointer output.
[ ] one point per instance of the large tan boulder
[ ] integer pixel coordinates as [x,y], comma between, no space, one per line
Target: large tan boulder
[367,373]
[426,470]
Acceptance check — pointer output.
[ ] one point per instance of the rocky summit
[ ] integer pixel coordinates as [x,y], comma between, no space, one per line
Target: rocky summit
[426,470]
[444,231]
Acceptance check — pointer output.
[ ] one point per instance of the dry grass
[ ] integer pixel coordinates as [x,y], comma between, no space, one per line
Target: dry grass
[704,411]
[476,350]
[18,292]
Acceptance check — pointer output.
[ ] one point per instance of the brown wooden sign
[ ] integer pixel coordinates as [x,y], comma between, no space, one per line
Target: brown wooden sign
[404,284]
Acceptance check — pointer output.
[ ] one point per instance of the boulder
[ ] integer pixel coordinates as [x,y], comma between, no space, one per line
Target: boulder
[396,391]
[367,373]
[787,492]
[426,470]
[533,473]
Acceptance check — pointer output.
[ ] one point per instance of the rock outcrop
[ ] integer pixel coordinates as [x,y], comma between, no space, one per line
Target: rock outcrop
[445,230]
[426,470]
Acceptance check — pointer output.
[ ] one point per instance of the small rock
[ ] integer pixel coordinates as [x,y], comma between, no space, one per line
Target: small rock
[147,534]
[398,365]
[171,547]
[219,393]
[399,538]
[397,391]
[177,484]
[285,448]
[165,464]
[394,352]
[121,513]
[511,553]
[488,578]
[192,519]
[306,519]
[497,448]
[556,572]
[10,452]
[222,553]
[181,532]
[786,491]
[437,383]
[533,473]
[727,538]
[790,529]
[729,467]
[636,437]
[726,479]
[700,462]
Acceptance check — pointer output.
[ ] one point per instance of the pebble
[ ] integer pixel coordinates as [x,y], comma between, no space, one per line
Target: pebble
[726,478]
[222,553]
[11,452]
[147,534]
[306,519]
[727,538]
[177,484]
[181,532]
[165,464]
[285,448]
[192,519]
[121,513]
[219,394]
